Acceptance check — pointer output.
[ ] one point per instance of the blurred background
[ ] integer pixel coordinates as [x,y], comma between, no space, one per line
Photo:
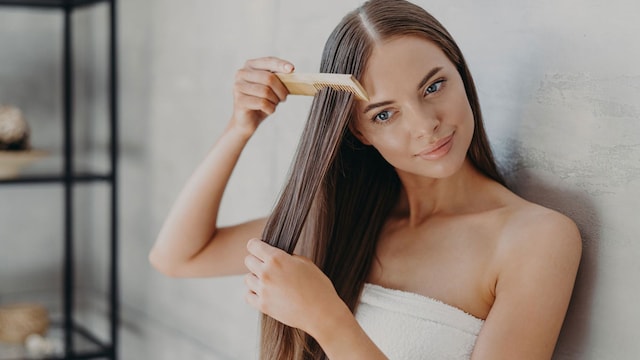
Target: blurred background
[559,85]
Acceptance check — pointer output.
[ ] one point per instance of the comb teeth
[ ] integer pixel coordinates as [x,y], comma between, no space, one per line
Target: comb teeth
[321,85]
[350,88]
[310,84]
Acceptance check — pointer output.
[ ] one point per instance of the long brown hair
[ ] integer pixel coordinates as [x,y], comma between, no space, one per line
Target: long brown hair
[339,191]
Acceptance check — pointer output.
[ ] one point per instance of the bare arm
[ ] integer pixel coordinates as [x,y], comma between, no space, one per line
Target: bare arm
[538,265]
[190,244]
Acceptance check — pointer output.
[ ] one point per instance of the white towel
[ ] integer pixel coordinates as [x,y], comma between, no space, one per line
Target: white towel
[408,326]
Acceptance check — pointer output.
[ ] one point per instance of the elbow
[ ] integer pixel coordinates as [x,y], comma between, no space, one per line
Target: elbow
[161,265]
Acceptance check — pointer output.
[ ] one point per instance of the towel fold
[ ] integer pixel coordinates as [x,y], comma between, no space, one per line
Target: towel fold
[408,326]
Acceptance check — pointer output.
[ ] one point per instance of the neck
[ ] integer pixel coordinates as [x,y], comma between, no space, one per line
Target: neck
[423,197]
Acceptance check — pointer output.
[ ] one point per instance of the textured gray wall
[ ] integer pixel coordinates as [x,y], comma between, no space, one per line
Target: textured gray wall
[560,90]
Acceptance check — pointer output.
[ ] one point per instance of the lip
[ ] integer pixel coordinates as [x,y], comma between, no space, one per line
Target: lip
[439,149]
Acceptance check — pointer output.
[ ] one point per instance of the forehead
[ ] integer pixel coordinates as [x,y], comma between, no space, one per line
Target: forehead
[402,59]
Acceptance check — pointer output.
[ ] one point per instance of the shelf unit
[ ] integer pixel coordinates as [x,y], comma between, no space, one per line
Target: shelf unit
[80,342]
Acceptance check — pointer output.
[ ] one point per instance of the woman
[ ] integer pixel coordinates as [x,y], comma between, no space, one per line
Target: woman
[392,203]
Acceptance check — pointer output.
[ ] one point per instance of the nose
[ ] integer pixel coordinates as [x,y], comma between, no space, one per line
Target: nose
[421,121]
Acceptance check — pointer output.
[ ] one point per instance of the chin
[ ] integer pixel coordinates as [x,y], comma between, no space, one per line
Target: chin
[439,170]
[446,168]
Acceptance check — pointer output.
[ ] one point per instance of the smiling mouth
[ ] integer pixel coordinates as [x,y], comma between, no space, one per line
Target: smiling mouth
[438,149]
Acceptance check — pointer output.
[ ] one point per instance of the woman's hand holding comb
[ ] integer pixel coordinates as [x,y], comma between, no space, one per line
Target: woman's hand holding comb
[257,92]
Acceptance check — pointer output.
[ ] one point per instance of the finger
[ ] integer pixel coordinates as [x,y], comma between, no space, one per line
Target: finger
[253,283]
[255,103]
[265,78]
[262,250]
[253,300]
[254,265]
[258,90]
[270,63]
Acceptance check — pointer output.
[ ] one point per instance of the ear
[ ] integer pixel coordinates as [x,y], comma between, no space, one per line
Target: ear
[357,133]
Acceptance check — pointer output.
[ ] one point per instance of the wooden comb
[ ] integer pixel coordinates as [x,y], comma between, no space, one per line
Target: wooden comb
[311,83]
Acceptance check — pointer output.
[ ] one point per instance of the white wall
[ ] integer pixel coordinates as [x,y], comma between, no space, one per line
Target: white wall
[560,90]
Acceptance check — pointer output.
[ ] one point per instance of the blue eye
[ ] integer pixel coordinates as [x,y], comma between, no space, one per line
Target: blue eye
[435,87]
[382,116]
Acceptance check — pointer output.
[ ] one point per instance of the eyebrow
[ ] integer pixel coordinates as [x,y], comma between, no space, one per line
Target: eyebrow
[428,77]
[424,80]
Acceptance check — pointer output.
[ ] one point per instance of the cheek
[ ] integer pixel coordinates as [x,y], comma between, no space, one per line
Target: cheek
[465,117]
[384,138]
[466,127]
[460,116]
[461,109]
[388,141]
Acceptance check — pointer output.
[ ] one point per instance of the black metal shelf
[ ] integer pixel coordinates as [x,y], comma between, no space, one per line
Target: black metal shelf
[51,3]
[73,336]
[58,179]
[87,346]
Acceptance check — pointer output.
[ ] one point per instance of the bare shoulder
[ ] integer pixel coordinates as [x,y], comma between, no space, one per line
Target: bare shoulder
[537,256]
[532,232]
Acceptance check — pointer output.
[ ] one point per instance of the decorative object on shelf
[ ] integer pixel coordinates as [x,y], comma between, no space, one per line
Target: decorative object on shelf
[40,346]
[18,321]
[15,147]
[14,129]
[11,162]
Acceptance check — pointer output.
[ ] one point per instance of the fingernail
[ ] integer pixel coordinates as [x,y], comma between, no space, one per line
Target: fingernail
[288,67]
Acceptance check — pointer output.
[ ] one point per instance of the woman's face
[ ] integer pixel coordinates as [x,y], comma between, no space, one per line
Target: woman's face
[418,116]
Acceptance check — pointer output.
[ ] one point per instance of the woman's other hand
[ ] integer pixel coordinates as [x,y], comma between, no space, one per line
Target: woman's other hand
[292,290]
[258,91]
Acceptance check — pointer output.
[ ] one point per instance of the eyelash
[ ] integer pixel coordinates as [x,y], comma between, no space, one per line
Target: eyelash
[438,84]
[380,121]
